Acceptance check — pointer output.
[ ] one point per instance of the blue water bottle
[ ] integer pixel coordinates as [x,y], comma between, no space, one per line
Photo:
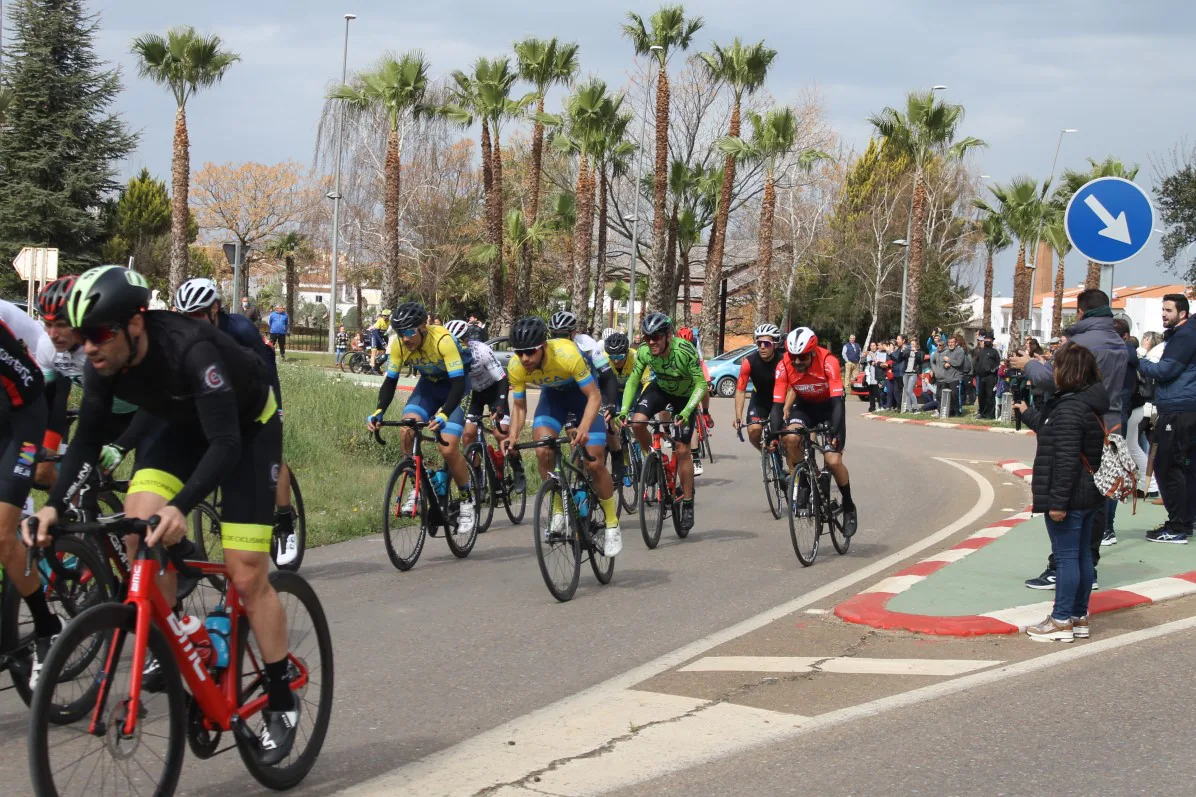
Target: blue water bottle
[219,628]
[582,499]
[440,482]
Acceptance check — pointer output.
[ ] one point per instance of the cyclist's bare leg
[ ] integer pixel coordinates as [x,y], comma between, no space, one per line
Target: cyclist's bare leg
[543,455]
[250,571]
[834,463]
[604,486]
[454,460]
[468,438]
[143,506]
[407,434]
[640,429]
[685,468]
[792,443]
[755,433]
[12,552]
[282,493]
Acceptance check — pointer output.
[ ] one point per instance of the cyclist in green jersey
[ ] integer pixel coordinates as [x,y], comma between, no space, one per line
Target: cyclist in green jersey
[677,386]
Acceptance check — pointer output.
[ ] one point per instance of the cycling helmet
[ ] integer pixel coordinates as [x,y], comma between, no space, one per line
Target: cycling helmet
[801,341]
[197,293]
[563,321]
[51,302]
[655,323]
[607,332]
[528,333]
[617,343]
[768,331]
[408,315]
[107,295]
[457,328]
[686,333]
[474,332]
[385,313]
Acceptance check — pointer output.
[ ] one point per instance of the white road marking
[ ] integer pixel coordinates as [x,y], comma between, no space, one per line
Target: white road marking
[818,611]
[853,665]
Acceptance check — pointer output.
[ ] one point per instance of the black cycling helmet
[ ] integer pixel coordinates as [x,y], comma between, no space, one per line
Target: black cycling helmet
[655,323]
[408,315]
[528,333]
[562,322]
[617,343]
[107,295]
[51,302]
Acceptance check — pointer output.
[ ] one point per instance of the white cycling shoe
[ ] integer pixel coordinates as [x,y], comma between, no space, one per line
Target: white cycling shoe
[613,543]
[466,519]
[408,506]
[698,469]
[289,552]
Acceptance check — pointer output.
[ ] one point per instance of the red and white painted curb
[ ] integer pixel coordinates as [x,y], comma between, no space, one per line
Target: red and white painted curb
[971,427]
[1018,469]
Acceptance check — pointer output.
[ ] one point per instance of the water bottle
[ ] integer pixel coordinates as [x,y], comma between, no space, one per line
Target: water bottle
[824,483]
[219,627]
[195,631]
[582,499]
[440,482]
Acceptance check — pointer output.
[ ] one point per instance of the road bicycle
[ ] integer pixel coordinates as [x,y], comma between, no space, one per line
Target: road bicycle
[205,528]
[660,491]
[774,472]
[559,552]
[702,432]
[212,681]
[438,499]
[812,506]
[359,363]
[489,462]
[629,493]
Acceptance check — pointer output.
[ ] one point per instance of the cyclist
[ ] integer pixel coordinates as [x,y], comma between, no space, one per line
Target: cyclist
[489,382]
[563,324]
[199,298]
[677,386]
[760,368]
[622,362]
[567,388]
[33,337]
[443,367]
[378,337]
[220,429]
[809,391]
[687,333]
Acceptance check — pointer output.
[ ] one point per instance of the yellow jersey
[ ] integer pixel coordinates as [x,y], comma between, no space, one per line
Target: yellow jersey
[563,365]
[628,364]
[440,356]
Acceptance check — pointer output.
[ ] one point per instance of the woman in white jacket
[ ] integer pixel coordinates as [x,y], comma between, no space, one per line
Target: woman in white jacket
[1152,349]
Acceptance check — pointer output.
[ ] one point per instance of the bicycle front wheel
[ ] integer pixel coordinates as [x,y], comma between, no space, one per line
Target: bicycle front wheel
[404,540]
[773,486]
[805,523]
[653,494]
[835,525]
[298,524]
[95,755]
[629,494]
[515,502]
[558,552]
[476,455]
[707,451]
[602,565]
[462,542]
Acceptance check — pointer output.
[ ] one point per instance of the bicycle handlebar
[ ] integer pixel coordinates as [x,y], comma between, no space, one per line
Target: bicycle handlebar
[411,424]
[175,554]
[555,444]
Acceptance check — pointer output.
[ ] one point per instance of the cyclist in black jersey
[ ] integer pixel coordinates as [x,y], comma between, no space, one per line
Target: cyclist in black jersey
[220,429]
[760,368]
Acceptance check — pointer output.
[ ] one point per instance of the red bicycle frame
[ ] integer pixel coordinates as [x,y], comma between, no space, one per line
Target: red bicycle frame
[669,462]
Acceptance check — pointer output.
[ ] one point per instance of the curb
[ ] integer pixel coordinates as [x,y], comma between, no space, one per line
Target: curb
[944,425]
[1019,469]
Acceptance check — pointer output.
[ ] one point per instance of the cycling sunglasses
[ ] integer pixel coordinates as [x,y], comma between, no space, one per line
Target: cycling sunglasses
[99,335]
[408,333]
[656,337]
[526,352]
[618,356]
[766,344]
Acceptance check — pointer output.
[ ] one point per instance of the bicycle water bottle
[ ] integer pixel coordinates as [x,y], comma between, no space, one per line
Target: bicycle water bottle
[582,499]
[219,627]
[440,482]
[195,631]
[824,483]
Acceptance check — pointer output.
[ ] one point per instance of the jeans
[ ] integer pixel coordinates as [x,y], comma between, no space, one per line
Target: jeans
[1074,571]
[908,397]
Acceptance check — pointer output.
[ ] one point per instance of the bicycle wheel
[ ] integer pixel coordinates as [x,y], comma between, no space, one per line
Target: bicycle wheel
[558,553]
[629,494]
[707,451]
[805,522]
[514,502]
[205,532]
[477,456]
[74,759]
[653,500]
[460,543]
[298,525]
[681,531]
[602,565]
[404,541]
[310,644]
[772,485]
[834,523]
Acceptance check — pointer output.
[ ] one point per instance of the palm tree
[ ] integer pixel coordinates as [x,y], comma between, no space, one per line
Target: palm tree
[743,69]
[688,232]
[544,64]
[925,131]
[612,155]
[669,30]
[1073,181]
[287,247]
[516,236]
[684,183]
[996,239]
[1019,204]
[185,61]
[396,87]
[1056,235]
[773,136]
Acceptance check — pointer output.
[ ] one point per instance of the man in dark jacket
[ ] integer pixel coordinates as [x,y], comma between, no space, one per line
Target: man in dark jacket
[987,362]
[954,361]
[900,358]
[1175,435]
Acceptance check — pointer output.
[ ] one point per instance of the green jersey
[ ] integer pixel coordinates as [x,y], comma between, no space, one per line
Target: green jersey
[678,372]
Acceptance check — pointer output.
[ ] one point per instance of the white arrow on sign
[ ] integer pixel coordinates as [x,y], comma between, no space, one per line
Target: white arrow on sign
[1116,228]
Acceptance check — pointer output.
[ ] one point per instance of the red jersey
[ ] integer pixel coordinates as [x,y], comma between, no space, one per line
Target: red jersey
[820,383]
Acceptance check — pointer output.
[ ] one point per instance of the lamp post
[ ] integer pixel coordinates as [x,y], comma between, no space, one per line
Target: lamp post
[335,196]
[634,218]
[909,236]
[1038,234]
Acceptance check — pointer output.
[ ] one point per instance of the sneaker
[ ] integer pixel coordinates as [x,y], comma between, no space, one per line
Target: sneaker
[698,469]
[1095,586]
[465,518]
[851,521]
[1109,538]
[41,649]
[1079,627]
[289,551]
[613,542]
[1051,630]
[687,514]
[1045,581]
[408,507]
[277,735]
[1165,535]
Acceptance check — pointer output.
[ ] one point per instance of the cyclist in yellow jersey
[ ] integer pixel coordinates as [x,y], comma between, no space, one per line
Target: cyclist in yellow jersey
[377,341]
[622,363]
[566,386]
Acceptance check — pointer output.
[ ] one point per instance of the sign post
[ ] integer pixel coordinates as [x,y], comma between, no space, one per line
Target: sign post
[37,266]
[1109,220]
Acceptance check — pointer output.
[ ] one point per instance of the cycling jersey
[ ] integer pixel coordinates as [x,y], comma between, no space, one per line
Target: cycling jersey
[485,369]
[440,356]
[27,330]
[563,366]
[760,373]
[22,418]
[678,373]
[819,383]
[245,332]
[593,351]
[21,378]
[621,374]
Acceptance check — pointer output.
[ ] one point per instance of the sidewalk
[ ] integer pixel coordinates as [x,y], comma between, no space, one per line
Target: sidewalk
[933,420]
[977,587]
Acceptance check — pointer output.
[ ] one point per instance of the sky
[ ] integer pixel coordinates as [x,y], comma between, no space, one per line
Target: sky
[1120,73]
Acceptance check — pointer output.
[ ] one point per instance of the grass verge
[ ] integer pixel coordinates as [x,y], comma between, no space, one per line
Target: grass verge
[969,418]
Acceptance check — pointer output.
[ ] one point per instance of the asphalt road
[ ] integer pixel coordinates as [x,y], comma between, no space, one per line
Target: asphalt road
[431,657]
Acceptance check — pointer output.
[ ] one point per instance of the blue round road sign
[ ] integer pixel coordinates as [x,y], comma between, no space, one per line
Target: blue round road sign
[1109,220]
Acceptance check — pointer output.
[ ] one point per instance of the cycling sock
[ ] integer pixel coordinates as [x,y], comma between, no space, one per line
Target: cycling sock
[279,696]
[517,462]
[45,622]
[845,490]
[611,510]
[556,503]
[284,521]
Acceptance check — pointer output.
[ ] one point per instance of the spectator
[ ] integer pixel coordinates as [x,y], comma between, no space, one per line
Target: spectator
[155,302]
[986,363]
[1093,331]
[1140,415]
[935,341]
[250,311]
[899,357]
[280,325]
[1175,429]
[870,375]
[892,389]
[342,344]
[967,390]
[482,334]
[911,358]
[1070,443]
[953,363]
[1122,328]
[851,361]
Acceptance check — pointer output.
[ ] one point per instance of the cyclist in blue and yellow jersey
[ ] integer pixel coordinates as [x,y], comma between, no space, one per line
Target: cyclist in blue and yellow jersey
[443,368]
[567,387]
[622,363]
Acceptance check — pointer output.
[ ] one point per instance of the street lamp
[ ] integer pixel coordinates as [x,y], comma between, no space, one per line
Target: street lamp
[1038,233]
[335,195]
[639,173]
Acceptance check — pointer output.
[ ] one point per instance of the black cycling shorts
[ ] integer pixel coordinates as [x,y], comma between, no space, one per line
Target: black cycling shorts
[653,400]
[18,451]
[493,397]
[167,458]
[758,409]
[810,415]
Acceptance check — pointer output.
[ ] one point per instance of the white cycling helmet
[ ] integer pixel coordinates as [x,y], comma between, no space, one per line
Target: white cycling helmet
[562,321]
[768,331]
[197,293]
[607,332]
[801,341]
[457,327]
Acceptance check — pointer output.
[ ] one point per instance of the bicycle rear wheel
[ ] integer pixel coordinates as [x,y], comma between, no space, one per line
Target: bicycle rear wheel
[476,455]
[514,502]
[310,644]
[834,523]
[653,499]
[629,494]
[602,565]
[558,553]
[707,451]
[458,542]
[298,524]
[773,489]
[404,541]
[805,524]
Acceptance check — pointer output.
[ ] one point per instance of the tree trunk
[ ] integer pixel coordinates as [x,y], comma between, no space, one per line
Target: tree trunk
[657,293]
[360,305]
[764,258]
[686,313]
[390,230]
[498,310]
[1092,279]
[1057,309]
[1018,311]
[670,266]
[987,316]
[180,181]
[523,279]
[600,277]
[708,321]
[582,239]
[292,284]
[917,256]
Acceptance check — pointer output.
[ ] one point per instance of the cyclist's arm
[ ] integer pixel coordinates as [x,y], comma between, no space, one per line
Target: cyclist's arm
[390,382]
[610,386]
[451,356]
[58,392]
[745,373]
[77,465]
[837,412]
[699,389]
[135,431]
[633,383]
[517,388]
[593,405]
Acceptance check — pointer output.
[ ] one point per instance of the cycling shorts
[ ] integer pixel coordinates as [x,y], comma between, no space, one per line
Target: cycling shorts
[653,400]
[18,451]
[428,397]
[758,409]
[561,405]
[810,415]
[167,457]
[493,398]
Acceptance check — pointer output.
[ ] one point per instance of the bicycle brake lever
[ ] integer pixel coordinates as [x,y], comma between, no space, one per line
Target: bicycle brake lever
[378,437]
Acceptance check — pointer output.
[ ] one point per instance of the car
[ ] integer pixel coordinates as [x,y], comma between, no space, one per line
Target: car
[724,371]
[501,346]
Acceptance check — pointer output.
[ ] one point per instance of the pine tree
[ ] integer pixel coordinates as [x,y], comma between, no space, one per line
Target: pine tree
[62,142]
